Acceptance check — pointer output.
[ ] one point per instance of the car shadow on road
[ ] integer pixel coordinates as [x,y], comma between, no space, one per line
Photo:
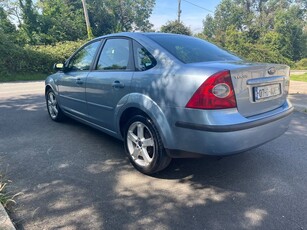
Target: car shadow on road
[75,177]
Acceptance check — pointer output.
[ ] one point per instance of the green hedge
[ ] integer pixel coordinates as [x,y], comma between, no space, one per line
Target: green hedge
[302,64]
[15,59]
[53,53]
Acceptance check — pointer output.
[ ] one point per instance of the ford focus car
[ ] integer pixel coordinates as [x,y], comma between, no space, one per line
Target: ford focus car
[168,95]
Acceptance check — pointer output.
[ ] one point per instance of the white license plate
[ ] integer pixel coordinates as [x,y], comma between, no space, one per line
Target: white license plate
[266,92]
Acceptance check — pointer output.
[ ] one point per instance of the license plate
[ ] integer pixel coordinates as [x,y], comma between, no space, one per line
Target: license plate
[266,92]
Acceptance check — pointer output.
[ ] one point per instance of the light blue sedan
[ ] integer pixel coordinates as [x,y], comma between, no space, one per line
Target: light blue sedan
[168,95]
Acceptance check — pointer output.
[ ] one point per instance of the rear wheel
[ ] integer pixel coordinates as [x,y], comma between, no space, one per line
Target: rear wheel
[144,145]
[53,108]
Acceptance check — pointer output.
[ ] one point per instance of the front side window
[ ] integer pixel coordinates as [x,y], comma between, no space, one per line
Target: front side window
[143,59]
[82,60]
[115,55]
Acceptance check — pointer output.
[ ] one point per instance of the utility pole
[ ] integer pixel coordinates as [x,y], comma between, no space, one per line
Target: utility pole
[179,10]
[87,21]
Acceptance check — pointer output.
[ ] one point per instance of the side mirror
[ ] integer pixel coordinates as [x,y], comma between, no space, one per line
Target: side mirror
[58,66]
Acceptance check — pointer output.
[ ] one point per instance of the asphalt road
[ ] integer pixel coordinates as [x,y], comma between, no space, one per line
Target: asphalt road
[74,177]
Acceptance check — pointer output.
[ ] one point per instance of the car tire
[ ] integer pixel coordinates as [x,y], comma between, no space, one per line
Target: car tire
[54,111]
[144,146]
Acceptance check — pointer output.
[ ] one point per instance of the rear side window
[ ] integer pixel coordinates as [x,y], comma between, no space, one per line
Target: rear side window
[115,55]
[190,50]
[143,59]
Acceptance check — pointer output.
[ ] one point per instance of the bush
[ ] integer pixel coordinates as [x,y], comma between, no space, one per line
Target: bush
[301,65]
[41,58]
[8,51]
[260,53]
[239,43]
[32,59]
[175,27]
[54,53]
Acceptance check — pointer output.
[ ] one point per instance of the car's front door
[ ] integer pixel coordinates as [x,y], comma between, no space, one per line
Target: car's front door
[110,81]
[72,84]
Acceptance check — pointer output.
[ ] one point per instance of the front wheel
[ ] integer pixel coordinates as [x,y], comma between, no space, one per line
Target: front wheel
[53,108]
[144,146]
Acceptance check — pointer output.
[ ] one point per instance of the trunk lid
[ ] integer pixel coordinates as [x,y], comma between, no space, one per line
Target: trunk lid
[260,88]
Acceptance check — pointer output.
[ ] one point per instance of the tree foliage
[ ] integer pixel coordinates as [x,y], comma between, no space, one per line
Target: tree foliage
[51,21]
[130,14]
[61,20]
[5,24]
[110,16]
[176,27]
[36,33]
[260,30]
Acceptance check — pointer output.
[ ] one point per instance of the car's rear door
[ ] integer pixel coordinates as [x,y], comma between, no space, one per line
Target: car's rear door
[110,81]
[72,84]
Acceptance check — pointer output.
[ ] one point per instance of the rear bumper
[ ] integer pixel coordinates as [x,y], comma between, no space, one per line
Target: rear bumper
[192,139]
[234,127]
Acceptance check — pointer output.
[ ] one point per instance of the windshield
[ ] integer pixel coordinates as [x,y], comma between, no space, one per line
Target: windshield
[190,49]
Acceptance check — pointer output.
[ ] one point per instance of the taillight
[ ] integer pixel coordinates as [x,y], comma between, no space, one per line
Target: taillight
[215,93]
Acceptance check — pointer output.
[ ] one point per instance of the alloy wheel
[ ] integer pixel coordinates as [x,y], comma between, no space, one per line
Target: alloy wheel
[140,143]
[52,105]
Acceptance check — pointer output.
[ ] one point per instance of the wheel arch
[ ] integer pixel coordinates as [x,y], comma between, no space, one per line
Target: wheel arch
[47,87]
[50,84]
[144,105]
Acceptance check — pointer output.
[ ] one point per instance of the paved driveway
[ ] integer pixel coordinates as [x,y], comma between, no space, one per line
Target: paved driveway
[74,177]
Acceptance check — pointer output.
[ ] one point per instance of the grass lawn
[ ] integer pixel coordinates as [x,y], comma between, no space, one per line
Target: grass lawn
[24,77]
[300,77]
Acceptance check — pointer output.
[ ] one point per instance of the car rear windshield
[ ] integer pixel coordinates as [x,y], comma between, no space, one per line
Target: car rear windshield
[190,50]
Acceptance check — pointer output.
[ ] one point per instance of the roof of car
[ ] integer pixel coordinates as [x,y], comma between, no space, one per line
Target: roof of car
[140,34]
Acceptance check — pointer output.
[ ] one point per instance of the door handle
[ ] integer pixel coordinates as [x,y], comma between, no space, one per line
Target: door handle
[79,81]
[118,85]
